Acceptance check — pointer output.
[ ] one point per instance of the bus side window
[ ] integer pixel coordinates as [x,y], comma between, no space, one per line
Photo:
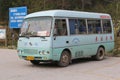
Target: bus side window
[63,30]
[94,27]
[90,29]
[90,24]
[60,27]
[55,33]
[71,25]
[82,26]
[98,30]
[107,26]
[98,27]
[76,29]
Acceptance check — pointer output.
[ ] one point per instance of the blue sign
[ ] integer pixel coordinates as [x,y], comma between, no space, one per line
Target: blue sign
[16,16]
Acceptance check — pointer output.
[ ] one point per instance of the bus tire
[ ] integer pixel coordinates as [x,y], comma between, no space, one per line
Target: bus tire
[35,62]
[100,54]
[64,59]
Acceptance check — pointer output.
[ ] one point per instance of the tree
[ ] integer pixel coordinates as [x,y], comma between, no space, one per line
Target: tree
[105,6]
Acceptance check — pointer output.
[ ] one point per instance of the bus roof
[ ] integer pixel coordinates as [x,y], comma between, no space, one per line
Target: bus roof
[69,13]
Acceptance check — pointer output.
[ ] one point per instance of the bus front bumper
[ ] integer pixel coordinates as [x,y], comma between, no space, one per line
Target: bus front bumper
[42,59]
[28,54]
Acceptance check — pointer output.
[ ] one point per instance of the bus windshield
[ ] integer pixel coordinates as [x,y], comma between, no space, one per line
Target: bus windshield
[36,26]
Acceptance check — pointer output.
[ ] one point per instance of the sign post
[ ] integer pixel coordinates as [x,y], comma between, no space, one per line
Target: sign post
[16,16]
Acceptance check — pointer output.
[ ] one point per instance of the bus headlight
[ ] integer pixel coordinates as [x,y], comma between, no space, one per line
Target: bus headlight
[43,52]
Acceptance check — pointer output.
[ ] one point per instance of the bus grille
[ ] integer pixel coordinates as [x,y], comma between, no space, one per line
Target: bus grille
[30,51]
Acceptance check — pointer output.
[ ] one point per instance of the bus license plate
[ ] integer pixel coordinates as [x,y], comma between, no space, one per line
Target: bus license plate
[30,58]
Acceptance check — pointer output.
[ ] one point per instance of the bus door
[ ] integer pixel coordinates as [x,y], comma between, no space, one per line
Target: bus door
[60,34]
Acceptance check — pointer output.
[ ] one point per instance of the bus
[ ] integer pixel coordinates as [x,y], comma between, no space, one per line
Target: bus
[63,35]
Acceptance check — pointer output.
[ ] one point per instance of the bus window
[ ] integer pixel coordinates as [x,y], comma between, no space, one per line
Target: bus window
[82,26]
[106,26]
[94,27]
[60,28]
[73,24]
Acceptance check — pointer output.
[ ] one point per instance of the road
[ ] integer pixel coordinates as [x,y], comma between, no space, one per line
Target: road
[13,68]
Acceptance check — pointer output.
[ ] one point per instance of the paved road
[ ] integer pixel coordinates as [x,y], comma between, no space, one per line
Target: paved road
[13,68]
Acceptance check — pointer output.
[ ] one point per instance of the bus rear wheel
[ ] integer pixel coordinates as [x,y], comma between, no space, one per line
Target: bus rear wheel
[100,54]
[35,62]
[65,59]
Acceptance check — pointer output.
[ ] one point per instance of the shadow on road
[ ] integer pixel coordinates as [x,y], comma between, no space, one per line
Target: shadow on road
[54,64]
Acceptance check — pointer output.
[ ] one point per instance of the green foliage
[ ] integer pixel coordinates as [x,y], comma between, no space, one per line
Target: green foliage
[105,6]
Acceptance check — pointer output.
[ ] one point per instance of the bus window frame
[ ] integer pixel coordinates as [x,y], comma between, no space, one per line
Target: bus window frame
[66,26]
[110,26]
[86,23]
[77,23]
[96,20]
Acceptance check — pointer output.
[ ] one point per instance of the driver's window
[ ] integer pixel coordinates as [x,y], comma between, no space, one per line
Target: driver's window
[60,27]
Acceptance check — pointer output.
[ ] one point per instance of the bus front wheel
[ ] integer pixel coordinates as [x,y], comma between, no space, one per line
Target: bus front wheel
[100,54]
[65,59]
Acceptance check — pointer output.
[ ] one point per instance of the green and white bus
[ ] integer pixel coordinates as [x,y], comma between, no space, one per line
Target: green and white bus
[64,35]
